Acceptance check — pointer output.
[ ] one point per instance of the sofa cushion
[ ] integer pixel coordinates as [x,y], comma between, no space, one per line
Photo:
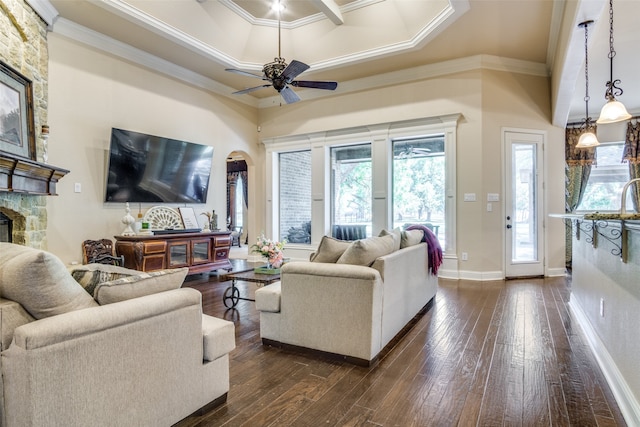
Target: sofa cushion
[365,251]
[219,337]
[139,285]
[329,250]
[268,298]
[397,236]
[410,238]
[40,282]
[89,275]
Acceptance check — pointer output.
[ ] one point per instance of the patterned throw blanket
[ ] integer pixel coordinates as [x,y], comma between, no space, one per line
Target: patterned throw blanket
[434,248]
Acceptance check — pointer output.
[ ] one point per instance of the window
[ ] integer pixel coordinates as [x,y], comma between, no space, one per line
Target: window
[295,196]
[419,183]
[606,180]
[353,182]
[351,191]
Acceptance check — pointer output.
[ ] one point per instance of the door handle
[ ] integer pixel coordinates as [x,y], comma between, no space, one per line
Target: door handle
[508,225]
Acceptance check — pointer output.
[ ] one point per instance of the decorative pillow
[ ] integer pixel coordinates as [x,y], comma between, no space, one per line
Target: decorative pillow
[397,236]
[330,249]
[40,282]
[365,251]
[89,275]
[411,237]
[139,285]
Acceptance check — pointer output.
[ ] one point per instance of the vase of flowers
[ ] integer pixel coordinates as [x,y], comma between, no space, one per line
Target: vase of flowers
[271,250]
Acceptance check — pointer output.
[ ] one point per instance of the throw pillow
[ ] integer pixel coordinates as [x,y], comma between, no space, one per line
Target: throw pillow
[397,236]
[411,237]
[139,285]
[330,250]
[89,275]
[40,282]
[365,251]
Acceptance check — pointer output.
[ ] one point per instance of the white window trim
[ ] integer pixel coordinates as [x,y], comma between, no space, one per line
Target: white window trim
[380,136]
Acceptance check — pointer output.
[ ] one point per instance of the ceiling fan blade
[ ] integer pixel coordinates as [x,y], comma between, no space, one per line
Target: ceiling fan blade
[244,73]
[251,89]
[315,85]
[289,95]
[293,70]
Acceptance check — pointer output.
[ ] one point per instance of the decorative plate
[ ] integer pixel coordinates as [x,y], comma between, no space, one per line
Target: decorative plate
[162,218]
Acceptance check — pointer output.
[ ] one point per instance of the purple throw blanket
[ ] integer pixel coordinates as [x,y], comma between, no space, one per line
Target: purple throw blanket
[433,246]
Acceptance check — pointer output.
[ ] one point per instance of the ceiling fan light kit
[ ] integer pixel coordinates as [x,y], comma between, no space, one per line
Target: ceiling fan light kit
[281,75]
[613,111]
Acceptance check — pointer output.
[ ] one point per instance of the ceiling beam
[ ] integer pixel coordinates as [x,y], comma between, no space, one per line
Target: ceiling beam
[330,9]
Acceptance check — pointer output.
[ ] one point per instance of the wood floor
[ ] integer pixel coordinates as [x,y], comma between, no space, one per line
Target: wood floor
[486,354]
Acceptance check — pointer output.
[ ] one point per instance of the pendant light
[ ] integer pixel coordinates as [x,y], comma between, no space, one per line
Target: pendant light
[588,137]
[613,111]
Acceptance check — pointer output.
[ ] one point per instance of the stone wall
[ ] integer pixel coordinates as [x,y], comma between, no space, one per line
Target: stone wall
[23,46]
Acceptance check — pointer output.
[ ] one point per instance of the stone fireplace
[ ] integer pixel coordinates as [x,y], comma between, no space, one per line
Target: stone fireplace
[23,46]
[28,216]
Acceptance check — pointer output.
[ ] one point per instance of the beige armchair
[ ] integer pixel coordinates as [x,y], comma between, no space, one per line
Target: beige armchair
[120,355]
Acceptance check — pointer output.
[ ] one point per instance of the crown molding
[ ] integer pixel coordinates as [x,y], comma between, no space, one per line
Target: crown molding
[45,9]
[97,40]
[424,72]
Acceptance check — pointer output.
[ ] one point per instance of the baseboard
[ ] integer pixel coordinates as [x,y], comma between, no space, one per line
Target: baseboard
[556,272]
[629,406]
[481,275]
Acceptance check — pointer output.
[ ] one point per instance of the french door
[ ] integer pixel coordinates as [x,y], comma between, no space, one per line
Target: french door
[524,245]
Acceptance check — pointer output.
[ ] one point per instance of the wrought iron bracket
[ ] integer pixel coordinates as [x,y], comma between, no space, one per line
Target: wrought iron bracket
[617,236]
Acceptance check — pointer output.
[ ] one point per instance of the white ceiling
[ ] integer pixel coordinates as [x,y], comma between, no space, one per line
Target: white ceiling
[362,43]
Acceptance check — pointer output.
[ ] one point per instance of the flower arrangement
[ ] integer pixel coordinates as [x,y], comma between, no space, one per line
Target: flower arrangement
[269,249]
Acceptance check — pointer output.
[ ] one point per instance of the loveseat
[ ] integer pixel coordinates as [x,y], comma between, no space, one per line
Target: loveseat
[351,299]
[128,349]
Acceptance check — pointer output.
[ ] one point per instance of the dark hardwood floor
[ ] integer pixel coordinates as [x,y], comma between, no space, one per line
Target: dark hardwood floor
[486,354]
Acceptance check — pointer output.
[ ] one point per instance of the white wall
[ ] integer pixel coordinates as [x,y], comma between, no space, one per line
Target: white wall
[488,102]
[89,93]
[613,334]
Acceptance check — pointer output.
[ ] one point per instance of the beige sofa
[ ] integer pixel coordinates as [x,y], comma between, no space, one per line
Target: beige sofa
[344,310]
[142,358]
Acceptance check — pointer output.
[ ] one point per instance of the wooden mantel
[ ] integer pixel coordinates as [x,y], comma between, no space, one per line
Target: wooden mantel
[20,175]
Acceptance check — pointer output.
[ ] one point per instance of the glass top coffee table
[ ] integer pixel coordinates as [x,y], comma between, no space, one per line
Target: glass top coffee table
[232,293]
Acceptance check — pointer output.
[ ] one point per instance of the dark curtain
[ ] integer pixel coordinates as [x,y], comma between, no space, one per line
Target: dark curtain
[632,156]
[578,162]
[232,189]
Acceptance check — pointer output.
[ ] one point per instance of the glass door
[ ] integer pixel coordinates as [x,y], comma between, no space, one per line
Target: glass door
[524,247]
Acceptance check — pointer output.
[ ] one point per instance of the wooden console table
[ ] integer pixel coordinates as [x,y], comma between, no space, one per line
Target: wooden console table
[201,252]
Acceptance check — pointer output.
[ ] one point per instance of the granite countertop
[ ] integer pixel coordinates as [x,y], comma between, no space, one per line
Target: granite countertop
[612,216]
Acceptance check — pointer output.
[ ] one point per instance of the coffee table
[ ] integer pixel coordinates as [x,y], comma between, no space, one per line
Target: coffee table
[232,293]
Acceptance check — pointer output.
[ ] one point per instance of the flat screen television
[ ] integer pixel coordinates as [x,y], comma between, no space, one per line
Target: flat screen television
[147,168]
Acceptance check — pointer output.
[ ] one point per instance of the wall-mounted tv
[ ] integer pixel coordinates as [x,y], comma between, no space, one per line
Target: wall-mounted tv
[146,168]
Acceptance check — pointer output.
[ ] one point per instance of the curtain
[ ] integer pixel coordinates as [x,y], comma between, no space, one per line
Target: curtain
[578,162]
[232,189]
[232,181]
[631,155]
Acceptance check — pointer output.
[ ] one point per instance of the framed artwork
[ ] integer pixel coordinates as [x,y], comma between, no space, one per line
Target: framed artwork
[17,134]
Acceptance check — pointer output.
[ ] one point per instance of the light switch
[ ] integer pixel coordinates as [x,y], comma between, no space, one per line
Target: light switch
[77,187]
[469,197]
[493,197]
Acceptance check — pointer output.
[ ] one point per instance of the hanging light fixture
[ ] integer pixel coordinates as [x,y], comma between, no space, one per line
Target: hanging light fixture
[588,137]
[613,111]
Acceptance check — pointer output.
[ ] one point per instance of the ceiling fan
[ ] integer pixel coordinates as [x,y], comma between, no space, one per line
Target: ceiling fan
[281,76]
